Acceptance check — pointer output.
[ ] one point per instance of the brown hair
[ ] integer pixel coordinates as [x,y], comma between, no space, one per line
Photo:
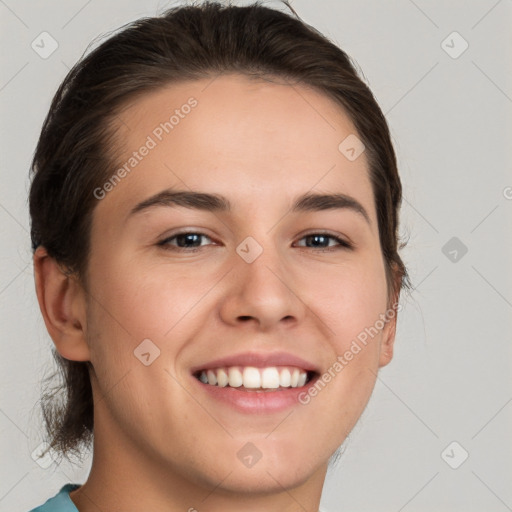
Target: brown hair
[73,155]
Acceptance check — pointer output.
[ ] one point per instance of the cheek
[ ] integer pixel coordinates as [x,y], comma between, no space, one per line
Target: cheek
[145,303]
[136,304]
[350,299]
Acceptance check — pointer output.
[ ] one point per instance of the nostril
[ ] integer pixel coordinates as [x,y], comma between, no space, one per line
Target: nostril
[245,318]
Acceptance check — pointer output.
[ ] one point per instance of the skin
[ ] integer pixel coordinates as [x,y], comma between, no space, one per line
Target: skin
[159,444]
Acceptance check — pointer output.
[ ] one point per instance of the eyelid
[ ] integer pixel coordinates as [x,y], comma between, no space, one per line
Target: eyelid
[164,241]
[343,241]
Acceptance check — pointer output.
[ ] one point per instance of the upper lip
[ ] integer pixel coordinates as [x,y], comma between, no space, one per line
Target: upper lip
[259,360]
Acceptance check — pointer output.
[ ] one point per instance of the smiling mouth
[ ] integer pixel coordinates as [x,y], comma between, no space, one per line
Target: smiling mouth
[251,378]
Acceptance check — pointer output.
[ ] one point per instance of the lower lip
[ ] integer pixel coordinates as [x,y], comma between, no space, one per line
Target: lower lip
[254,401]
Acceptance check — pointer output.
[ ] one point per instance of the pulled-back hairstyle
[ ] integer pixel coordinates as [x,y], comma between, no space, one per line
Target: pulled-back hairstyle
[75,152]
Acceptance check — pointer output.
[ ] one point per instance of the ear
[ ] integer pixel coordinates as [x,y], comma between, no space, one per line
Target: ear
[388,341]
[62,302]
[389,330]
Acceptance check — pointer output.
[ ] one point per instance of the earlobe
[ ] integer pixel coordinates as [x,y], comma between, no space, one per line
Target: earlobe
[62,302]
[388,341]
[389,334]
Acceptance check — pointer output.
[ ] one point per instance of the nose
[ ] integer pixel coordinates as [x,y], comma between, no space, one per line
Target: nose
[262,294]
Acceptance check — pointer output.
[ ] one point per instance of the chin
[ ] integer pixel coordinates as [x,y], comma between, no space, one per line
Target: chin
[264,480]
[270,468]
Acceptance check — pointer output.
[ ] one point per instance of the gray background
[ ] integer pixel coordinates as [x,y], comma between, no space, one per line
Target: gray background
[451,120]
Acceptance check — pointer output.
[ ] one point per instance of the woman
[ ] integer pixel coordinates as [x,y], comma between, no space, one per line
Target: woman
[214,223]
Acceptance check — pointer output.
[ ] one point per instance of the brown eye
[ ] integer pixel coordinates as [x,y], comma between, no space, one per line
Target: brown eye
[322,241]
[185,240]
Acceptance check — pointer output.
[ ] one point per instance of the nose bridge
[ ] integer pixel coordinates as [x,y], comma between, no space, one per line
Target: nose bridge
[260,274]
[259,288]
[259,277]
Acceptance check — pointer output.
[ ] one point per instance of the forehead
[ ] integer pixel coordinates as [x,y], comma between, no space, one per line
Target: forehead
[237,137]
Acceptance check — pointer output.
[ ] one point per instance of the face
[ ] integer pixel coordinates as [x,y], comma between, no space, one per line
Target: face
[215,247]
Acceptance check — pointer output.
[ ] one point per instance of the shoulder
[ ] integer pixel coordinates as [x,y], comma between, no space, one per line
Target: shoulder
[61,502]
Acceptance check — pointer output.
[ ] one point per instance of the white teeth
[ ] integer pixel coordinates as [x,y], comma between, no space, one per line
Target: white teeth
[285,378]
[235,377]
[222,378]
[250,377]
[212,378]
[270,378]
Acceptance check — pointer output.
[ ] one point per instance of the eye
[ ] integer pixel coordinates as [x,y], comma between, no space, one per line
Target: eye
[323,241]
[189,240]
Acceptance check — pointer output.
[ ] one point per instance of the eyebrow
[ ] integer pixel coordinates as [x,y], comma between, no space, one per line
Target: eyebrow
[216,203]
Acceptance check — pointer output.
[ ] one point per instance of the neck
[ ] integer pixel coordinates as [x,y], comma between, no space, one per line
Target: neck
[125,478]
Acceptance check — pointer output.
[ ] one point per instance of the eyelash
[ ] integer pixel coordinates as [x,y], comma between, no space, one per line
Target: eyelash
[342,244]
